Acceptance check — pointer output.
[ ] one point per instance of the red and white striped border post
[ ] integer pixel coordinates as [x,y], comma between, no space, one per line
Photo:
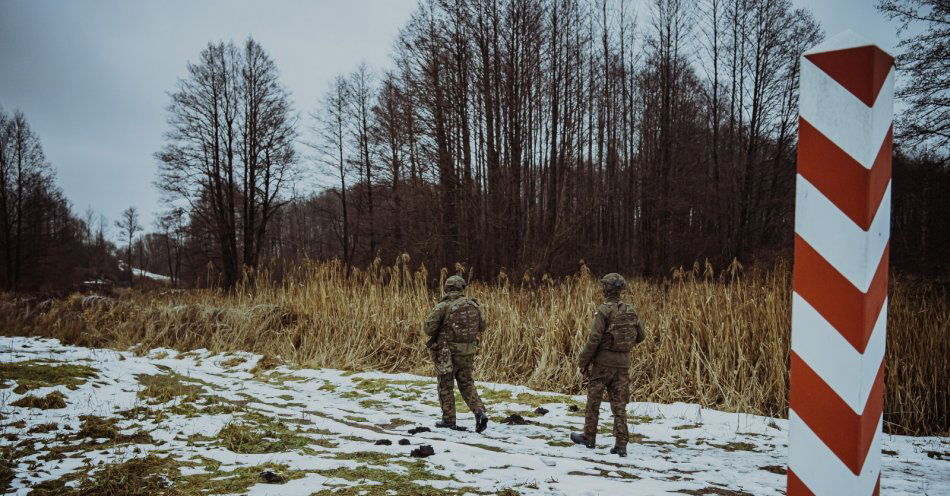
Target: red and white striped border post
[839,299]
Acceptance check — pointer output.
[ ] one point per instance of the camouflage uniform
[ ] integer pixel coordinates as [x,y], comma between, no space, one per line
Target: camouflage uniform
[454,360]
[607,370]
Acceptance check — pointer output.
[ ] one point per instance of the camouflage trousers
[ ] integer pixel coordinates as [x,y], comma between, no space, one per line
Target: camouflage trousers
[616,382]
[460,372]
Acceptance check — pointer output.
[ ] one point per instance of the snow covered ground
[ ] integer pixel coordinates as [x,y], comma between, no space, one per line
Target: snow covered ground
[217,424]
[150,275]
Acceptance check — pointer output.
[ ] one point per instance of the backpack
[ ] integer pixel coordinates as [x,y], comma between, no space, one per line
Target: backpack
[624,329]
[463,321]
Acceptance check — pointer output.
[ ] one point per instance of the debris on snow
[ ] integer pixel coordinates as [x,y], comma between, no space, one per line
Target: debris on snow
[515,419]
[271,478]
[423,451]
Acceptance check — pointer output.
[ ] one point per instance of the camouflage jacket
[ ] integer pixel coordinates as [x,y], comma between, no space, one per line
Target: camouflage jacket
[433,324]
[592,352]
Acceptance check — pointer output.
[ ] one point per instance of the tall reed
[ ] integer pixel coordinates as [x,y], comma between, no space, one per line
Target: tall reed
[721,341]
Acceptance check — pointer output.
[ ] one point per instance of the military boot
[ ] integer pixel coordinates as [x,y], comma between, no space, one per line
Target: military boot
[620,451]
[481,422]
[442,424]
[578,438]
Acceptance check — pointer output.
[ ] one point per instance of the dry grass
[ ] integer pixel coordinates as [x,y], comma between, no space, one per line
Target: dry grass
[721,344]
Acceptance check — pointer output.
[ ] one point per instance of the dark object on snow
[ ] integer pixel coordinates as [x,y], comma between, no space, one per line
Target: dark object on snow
[404,442]
[619,450]
[383,442]
[541,410]
[446,425]
[271,478]
[422,451]
[416,430]
[578,438]
[572,408]
[515,419]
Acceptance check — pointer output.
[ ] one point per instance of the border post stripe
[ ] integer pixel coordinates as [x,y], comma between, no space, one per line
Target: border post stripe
[839,281]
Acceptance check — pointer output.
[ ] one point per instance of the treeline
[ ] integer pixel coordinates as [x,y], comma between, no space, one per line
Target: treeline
[43,245]
[525,136]
[522,136]
[528,135]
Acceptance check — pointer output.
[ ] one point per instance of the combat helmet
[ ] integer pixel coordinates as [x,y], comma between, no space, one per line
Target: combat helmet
[454,283]
[613,283]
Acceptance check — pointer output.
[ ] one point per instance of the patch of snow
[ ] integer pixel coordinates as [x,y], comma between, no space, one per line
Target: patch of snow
[674,447]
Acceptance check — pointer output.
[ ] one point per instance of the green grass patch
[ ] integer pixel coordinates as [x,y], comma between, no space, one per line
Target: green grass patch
[365,457]
[536,400]
[324,442]
[33,374]
[136,477]
[278,378]
[492,396]
[352,394]
[52,401]
[486,447]
[396,422]
[238,480]
[255,433]
[206,405]
[375,386]
[95,427]
[404,480]
[735,446]
[356,439]
[162,388]
[152,475]
[372,404]
[686,427]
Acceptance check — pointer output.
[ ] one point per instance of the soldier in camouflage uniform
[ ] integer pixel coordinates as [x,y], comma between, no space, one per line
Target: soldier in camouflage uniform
[605,363]
[454,326]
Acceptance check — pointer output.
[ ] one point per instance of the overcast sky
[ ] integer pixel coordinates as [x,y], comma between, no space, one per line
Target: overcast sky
[92,76]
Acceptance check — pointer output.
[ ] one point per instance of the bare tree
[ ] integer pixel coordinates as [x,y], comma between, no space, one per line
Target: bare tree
[128,225]
[330,127]
[171,226]
[229,151]
[924,61]
[361,93]
[25,184]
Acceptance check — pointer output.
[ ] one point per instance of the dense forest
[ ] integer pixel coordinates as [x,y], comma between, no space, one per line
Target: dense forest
[523,136]
[43,244]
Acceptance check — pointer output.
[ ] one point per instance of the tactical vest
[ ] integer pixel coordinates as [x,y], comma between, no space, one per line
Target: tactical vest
[624,329]
[463,321]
